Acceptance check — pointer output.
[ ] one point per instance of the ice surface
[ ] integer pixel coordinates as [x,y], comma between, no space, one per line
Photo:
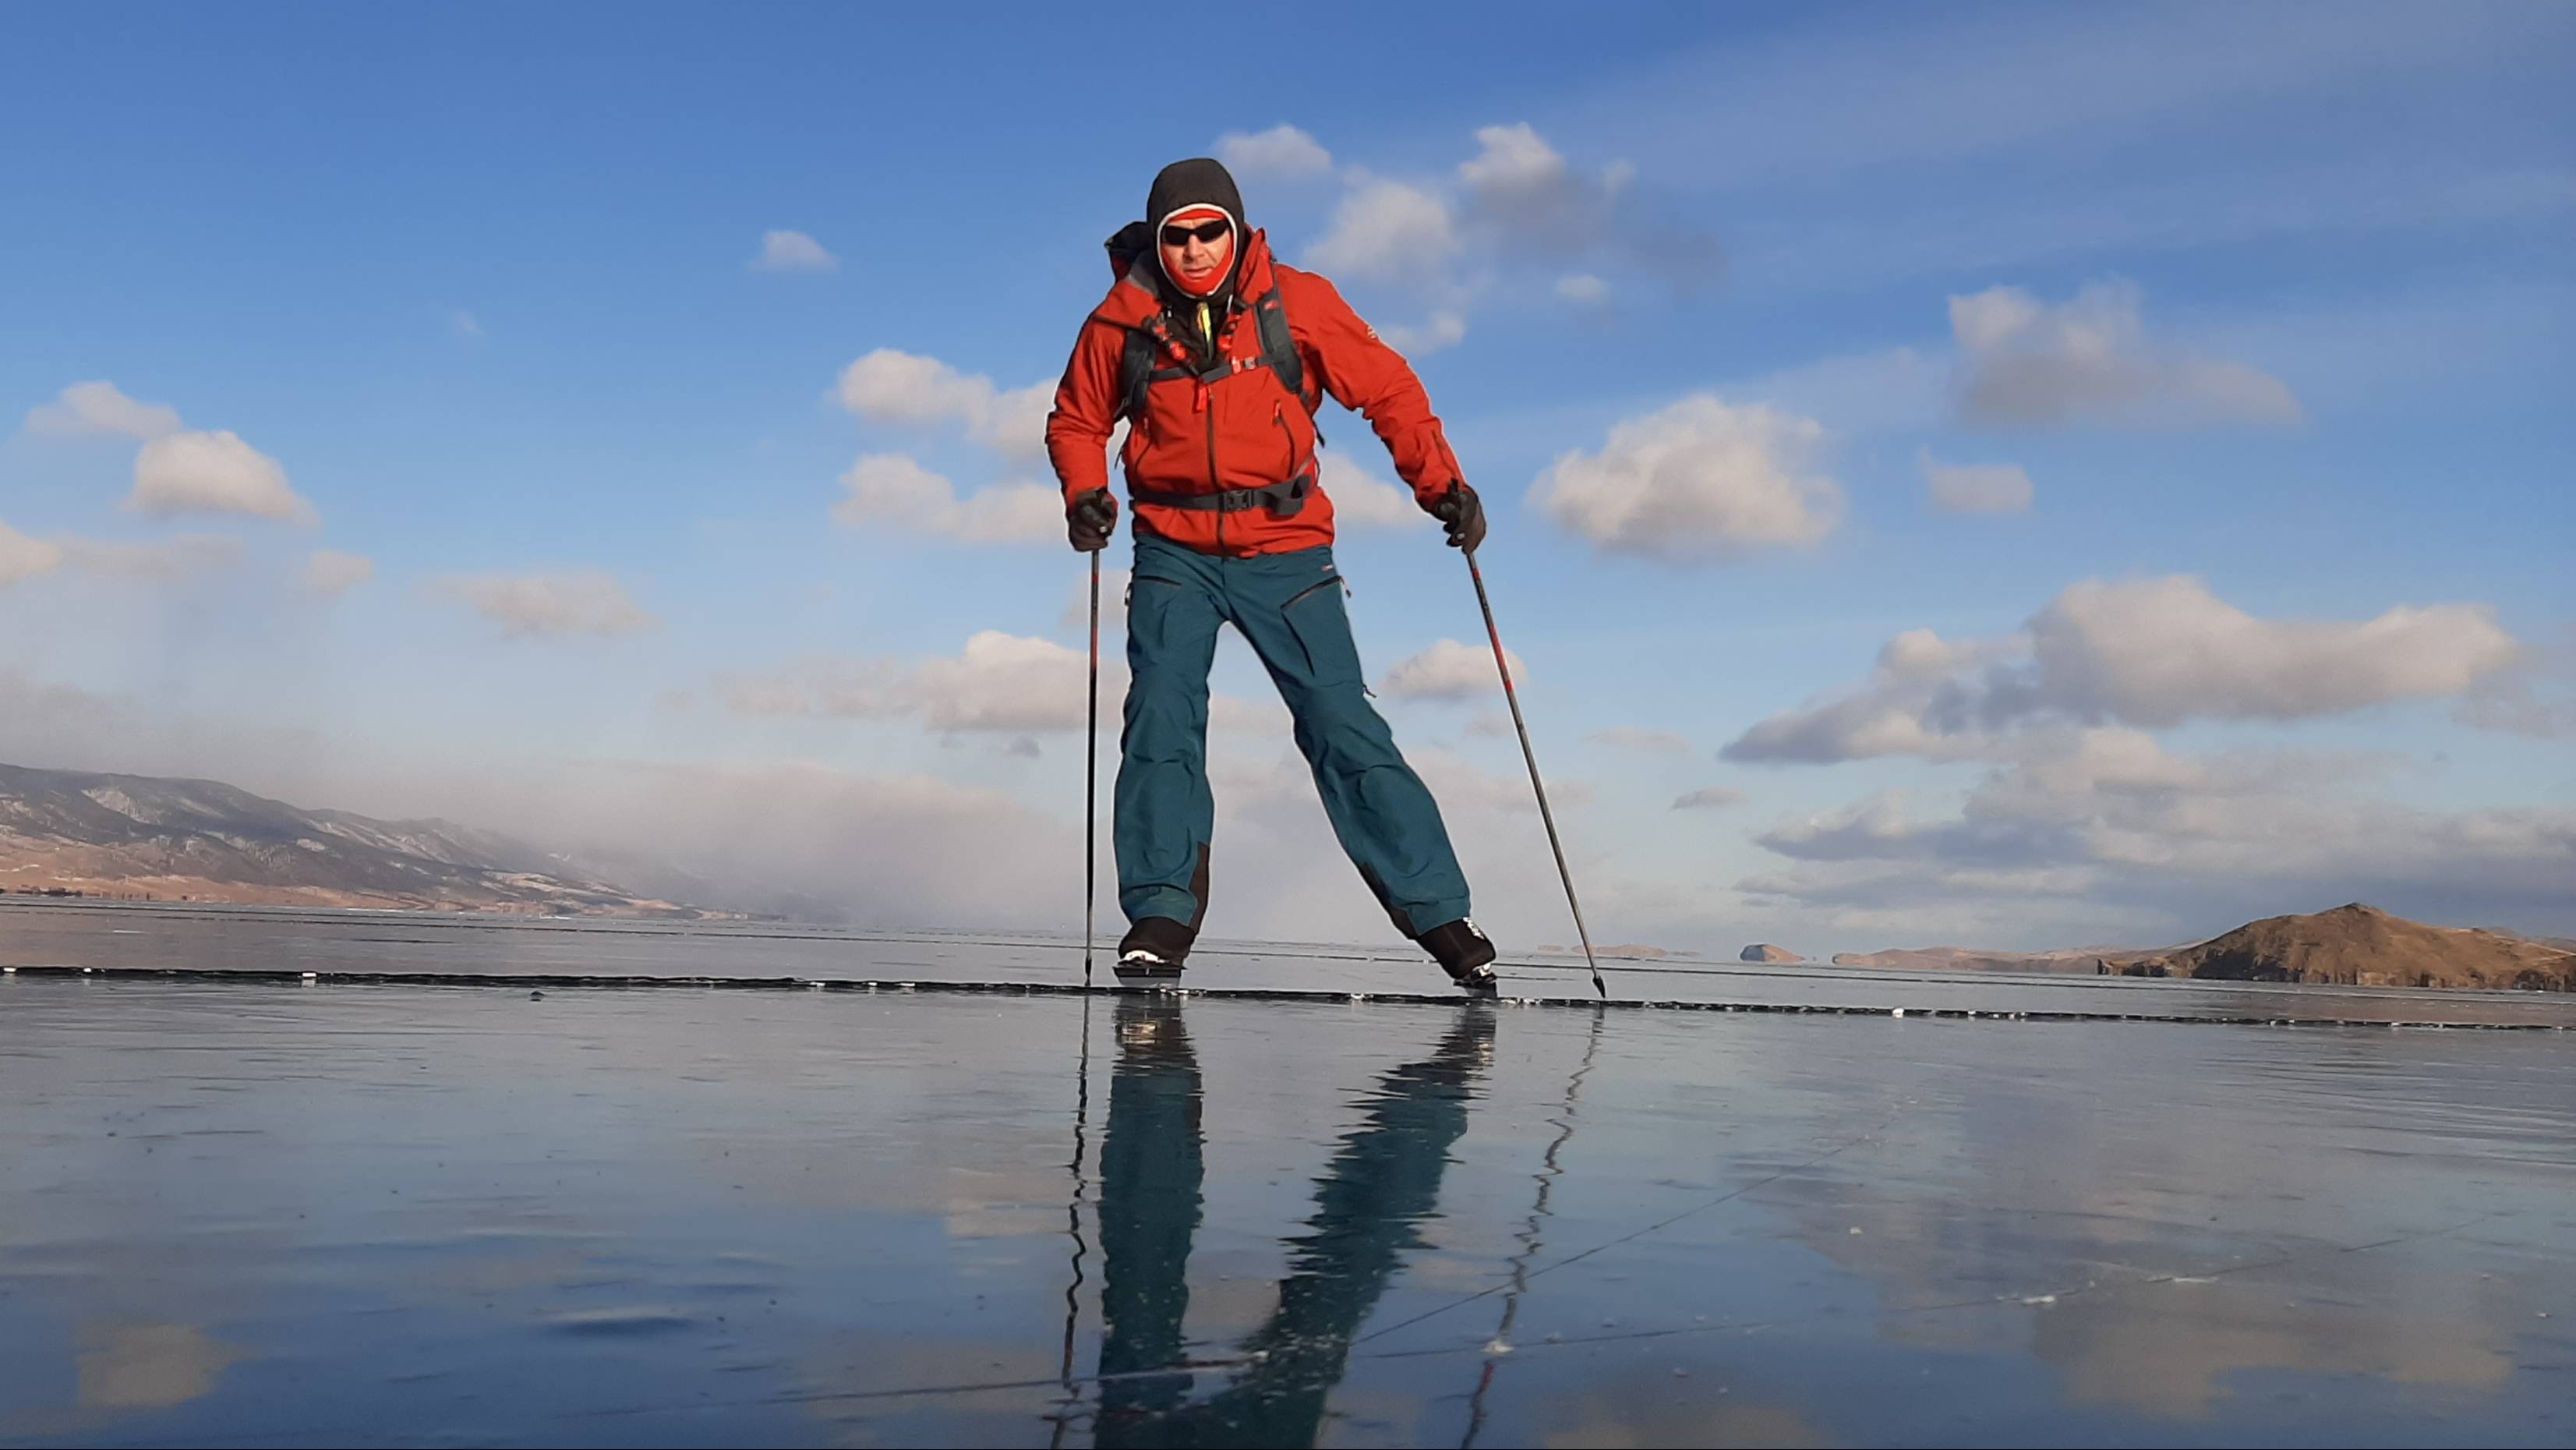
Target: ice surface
[274,1213]
[251,939]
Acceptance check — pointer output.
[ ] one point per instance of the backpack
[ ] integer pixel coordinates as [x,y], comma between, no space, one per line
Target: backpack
[1131,257]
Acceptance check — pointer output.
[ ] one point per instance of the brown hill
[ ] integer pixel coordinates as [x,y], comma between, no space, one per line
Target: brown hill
[2359,945]
[1968,959]
[77,833]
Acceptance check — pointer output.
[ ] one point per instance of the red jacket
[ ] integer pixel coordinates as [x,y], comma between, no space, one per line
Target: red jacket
[1246,430]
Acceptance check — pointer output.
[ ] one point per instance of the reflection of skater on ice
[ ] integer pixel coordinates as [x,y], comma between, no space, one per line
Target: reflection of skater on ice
[1383,1180]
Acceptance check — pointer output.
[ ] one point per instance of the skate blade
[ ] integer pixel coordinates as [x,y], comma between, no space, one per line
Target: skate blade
[1146,974]
[1479,982]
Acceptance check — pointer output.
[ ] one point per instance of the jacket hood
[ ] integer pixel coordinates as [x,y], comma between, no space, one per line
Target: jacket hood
[1199,184]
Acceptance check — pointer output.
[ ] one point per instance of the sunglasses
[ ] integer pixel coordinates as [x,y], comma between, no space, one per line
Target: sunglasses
[1181,236]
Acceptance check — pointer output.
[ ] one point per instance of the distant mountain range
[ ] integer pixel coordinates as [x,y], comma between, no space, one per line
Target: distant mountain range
[1977,959]
[2352,945]
[135,836]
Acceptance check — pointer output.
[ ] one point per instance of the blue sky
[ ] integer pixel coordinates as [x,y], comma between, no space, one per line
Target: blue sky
[2270,307]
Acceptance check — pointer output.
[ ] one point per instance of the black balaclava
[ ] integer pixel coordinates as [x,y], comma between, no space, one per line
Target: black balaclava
[1199,181]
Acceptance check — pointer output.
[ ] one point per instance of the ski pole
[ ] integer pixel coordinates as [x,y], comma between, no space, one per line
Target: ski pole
[1546,816]
[1091,783]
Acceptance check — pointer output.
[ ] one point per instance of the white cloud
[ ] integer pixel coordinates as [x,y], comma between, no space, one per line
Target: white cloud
[811,841]
[1922,654]
[1284,785]
[2160,651]
[1515,219]
[909,390]
[1445,329]
[1708,798]
[1015,425]
[1006,682]
[101,409]
[1363,500]
[2089,360]
[2509,702]
[589,602]
[1235,714]
[893,488]
[1877,826]
[1652,742]
[2146,652]
[159,561]
[1975,488]
[1698,480]
[1282,152]
[23,558]
[176,472]
[1387,230]
[332,573]
[1113,606]
[1516,173]
[1000,682]
[1273,833]
[1449,670]
[827,844]
[783,251]
[787,836]
[213,473]
[824,685]
[1466,788]
[892,386]
[465,325]
[1526,199]
[1583,289]
[2110,815]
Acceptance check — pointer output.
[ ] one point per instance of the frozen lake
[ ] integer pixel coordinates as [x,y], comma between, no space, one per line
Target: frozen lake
[407,1212]
[238,939]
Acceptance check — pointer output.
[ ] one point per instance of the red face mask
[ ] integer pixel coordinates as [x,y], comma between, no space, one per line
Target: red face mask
[1180,239]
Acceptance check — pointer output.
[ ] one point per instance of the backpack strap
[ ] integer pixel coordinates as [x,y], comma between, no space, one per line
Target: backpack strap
[1143,362]
[1136,373]
[1140,362]
[1278,345]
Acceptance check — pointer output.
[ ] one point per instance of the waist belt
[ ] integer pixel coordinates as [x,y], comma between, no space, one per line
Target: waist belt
[1284,500]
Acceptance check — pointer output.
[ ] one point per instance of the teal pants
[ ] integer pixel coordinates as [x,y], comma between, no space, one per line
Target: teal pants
[1289,608]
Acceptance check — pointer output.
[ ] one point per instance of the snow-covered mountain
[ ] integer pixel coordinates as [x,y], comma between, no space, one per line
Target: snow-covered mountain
[202,840]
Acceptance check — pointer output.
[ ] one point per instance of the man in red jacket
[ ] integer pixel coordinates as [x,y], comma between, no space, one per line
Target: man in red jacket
[1217,356]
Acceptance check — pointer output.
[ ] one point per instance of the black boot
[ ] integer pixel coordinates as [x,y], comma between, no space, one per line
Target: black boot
[1465,953]
[1153,951]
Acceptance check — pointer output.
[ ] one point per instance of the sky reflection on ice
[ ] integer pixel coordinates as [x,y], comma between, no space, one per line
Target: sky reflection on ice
[398,1214]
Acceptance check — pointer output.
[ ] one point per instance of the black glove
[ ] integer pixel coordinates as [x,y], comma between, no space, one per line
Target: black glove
[1463,514]
[1090,520]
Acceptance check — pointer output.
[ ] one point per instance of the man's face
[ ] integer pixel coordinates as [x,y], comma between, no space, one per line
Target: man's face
[1192,255]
